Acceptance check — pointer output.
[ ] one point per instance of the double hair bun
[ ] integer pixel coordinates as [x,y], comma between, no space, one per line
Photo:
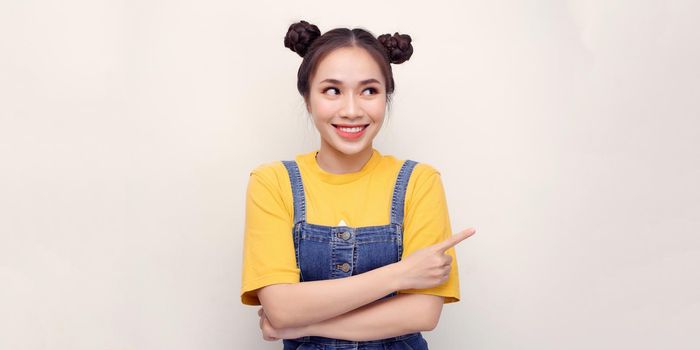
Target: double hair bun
[302,34]
[398,46]
[299,37]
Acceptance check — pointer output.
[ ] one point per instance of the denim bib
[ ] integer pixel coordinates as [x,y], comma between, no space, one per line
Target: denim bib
[328,252]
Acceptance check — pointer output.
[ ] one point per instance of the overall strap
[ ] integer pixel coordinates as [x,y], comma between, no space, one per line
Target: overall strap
[399,197]
[297,190]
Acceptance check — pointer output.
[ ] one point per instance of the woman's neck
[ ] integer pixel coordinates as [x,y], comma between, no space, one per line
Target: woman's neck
[336,162]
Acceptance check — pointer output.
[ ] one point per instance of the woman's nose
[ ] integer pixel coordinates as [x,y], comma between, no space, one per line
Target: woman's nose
[351,107]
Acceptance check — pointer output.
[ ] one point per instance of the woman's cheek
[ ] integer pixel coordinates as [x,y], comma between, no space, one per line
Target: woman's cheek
[326,109]
[375,107]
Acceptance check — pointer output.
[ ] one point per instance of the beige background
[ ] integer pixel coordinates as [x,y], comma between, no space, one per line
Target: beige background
[567,133]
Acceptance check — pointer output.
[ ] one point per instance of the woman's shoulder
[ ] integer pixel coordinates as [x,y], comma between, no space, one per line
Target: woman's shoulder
[426,169]
[420,170]
[268,167]
[272,172]
[275,172]
[424,174]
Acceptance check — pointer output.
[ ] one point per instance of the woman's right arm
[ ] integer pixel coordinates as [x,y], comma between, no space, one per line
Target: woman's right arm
[304,303]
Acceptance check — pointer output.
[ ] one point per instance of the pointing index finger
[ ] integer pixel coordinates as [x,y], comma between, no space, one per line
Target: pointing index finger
[454,239]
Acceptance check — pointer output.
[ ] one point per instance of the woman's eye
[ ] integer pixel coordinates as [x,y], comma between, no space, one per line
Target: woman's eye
[337,91]
[372,89]
[331,88]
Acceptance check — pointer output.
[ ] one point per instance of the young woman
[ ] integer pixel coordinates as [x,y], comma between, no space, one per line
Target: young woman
[346,247]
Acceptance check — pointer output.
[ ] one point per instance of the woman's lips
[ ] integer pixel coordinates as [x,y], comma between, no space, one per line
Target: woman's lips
[350,131]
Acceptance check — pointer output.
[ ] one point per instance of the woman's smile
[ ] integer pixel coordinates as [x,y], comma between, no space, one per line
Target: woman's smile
[350,131]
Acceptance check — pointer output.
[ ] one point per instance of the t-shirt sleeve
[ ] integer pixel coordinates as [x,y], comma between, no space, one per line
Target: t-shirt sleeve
[427,222]
[268,244]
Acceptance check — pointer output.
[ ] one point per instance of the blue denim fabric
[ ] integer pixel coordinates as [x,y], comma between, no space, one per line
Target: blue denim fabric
[327,252]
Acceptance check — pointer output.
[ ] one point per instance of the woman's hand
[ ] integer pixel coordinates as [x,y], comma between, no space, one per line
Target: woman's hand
[429,266]
[270,333]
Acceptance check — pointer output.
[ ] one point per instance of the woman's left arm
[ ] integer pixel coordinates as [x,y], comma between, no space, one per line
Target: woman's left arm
[390,317]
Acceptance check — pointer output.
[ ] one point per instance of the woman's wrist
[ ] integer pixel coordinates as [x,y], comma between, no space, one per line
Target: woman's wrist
[294,332]
[394,274]
[307,330]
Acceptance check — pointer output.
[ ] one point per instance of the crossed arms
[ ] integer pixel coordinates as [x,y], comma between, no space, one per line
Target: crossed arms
[348,308]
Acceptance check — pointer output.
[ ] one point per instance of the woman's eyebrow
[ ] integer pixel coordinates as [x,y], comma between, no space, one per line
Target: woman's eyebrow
[336,81]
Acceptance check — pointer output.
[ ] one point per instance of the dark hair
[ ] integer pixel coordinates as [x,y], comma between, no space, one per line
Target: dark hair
[306,40]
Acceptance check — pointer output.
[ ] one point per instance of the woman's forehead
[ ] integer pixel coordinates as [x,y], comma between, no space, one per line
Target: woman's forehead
[349,65]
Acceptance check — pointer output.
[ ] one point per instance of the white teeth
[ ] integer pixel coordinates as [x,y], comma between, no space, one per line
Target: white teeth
[355,129]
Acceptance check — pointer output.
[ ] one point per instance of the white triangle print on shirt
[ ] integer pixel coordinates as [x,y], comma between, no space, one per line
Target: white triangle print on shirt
[342,223]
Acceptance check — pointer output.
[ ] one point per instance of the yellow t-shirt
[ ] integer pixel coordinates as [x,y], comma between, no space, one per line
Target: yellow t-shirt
[361,198]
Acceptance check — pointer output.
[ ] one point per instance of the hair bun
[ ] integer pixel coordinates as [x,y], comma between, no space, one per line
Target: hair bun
[300,35]
[397,46]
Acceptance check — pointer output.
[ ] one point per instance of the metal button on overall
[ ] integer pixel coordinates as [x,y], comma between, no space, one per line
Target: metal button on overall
[345,267]
[344,235]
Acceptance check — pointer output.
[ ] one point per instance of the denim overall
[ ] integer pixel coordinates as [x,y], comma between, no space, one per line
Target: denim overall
[328,252]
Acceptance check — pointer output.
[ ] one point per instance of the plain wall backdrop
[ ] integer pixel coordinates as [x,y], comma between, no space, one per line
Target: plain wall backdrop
[566,132]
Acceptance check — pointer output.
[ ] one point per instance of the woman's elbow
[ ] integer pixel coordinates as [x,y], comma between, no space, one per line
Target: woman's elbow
[433,310]
[271,301]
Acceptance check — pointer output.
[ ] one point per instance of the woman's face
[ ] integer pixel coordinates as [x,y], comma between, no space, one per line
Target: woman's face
[347,100]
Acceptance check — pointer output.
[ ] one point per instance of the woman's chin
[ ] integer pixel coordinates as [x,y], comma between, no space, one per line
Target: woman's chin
[350,149]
